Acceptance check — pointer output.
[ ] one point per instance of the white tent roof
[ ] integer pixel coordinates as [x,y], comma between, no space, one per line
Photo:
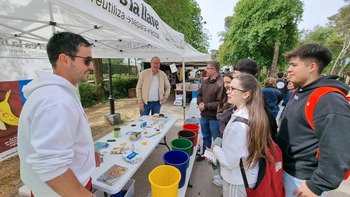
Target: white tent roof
[191,55]
[117,28]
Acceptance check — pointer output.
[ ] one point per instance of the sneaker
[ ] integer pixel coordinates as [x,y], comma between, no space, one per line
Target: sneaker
[216,177]
[199,158]
[218,182]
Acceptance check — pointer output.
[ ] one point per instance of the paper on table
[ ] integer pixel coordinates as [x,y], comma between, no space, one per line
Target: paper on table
[210,155]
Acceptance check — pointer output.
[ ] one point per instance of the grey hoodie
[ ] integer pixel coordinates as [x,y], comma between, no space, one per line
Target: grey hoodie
[299,142]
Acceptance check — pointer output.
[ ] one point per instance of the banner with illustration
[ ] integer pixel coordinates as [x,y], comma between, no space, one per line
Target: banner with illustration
[11,103]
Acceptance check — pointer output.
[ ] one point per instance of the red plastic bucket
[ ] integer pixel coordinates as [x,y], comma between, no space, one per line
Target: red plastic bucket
[192,127]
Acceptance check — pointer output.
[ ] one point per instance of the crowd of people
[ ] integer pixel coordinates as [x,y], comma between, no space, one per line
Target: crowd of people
[237,122]
[314,157]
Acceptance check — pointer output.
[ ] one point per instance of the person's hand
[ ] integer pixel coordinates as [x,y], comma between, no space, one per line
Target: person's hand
[164,100]
[98,158]
[207,158]
[201,106]
[304,191]
[142,106]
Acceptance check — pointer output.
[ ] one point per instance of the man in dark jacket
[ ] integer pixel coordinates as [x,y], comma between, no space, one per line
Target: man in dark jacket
[208,101]
[305,174]
[281,84]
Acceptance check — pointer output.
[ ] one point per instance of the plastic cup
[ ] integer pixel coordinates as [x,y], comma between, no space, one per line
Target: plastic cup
[116,132]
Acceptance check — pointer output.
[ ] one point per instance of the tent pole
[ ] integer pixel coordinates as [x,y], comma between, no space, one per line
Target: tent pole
[183,88]
[111,98]
[51,18]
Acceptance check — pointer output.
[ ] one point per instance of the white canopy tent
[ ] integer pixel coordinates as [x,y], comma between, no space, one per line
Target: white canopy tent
[190,55]
[117,29]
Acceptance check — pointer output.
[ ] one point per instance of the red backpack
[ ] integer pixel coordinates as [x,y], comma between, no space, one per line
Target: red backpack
[270,174]
[269,182]
[311,104]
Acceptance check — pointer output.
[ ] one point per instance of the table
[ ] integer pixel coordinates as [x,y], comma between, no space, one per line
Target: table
[144,150]
[192,112]
[189,93]
[182,191]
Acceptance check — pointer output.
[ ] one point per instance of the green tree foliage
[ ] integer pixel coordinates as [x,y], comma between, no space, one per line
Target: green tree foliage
[185,17]
[336,36]
[257,25]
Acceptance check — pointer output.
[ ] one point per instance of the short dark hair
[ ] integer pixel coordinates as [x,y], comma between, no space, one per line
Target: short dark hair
[215,64]
[322,55]
[246,66]
[64,42]
[280,74]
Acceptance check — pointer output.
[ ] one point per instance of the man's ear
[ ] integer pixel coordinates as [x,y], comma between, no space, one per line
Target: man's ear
[63,59]
[313,67]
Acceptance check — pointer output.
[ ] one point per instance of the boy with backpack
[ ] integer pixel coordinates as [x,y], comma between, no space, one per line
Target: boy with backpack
[315,142]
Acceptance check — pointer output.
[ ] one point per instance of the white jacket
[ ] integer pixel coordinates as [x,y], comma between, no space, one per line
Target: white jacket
[234,146]
[53,134]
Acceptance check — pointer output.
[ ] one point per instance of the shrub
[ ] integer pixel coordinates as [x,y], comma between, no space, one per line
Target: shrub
[88,94]
[89,91]
[122,85]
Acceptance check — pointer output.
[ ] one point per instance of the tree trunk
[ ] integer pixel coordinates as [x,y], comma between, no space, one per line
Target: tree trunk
[259,73]
[343,52]
[275,60]
[99,78]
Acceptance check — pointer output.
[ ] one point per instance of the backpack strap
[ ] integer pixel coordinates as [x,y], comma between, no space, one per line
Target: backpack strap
[243,173]
[295,90]
[245,121]
[313,99]
[241,119]
[310,106]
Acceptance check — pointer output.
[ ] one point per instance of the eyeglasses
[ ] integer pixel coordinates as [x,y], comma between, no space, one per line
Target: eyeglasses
[232,88]
[87,60]
[210,68]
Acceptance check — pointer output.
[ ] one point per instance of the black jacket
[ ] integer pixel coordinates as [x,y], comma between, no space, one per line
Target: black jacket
[299,142]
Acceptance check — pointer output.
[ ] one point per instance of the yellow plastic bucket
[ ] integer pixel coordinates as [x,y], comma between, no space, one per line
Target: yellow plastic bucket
[164,181]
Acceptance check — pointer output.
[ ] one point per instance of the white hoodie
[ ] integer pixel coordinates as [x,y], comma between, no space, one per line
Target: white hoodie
[234,147]
[53,134]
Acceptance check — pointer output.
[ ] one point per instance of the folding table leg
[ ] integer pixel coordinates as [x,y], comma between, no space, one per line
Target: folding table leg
[164,143]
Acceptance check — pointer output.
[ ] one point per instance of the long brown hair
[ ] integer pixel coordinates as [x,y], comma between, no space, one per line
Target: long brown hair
[259,135]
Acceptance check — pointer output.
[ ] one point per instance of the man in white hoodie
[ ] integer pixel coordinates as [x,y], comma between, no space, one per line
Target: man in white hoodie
[55,145]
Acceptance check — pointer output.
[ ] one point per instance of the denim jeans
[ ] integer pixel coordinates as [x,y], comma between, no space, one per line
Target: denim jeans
[210,129]
[153,106]
[291,184]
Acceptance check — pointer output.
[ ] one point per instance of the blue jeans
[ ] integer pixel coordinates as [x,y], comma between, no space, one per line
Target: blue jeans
[153,106]
[291,184]
[210,129]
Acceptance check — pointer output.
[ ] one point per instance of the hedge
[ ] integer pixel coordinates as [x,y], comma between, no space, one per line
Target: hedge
[89,91]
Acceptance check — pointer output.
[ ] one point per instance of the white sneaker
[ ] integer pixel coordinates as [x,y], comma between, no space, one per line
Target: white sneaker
[216,177]
[218,182]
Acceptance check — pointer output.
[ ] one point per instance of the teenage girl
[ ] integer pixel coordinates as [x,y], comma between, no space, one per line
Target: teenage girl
[246,136]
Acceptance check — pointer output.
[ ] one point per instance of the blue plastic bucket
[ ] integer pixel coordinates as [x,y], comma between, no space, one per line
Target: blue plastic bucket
[178,159]
[192,121]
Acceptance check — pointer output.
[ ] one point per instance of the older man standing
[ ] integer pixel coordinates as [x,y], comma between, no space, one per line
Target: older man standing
[153,88]
[208,100]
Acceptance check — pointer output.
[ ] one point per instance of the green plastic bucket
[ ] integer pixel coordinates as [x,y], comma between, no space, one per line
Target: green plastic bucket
[182,144]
